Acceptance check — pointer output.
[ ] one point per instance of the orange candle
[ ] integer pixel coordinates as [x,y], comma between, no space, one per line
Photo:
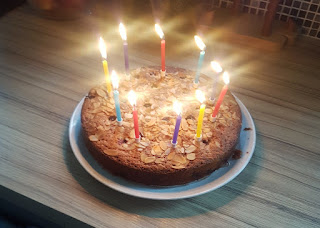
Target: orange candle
[163,47]
[222,93]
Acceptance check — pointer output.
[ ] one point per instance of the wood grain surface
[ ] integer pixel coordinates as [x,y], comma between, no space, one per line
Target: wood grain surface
[47,66]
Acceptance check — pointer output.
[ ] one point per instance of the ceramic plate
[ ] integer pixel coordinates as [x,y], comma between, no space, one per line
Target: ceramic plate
[215,180]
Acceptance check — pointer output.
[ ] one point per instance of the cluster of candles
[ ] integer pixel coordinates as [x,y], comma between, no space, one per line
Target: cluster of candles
[113,82]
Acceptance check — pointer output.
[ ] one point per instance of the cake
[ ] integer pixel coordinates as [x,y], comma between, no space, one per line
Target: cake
[154,160]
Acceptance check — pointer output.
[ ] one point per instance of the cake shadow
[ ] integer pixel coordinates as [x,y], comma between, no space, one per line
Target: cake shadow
[194,206]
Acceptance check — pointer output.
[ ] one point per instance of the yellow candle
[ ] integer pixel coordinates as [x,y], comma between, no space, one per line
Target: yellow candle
[106,73]
[103,51]
[200,120]
[200,96]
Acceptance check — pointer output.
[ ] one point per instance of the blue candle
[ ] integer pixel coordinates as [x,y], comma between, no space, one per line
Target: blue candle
[115,84]
[117,104]
[202,47]
[201,57]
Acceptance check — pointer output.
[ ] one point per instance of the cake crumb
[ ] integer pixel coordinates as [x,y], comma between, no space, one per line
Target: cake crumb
[237,154]
[247,129]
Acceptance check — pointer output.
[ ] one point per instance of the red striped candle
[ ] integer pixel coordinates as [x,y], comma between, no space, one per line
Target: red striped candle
[163,55]
[222,93]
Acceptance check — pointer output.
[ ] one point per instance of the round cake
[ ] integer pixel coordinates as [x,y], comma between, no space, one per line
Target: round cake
[153,160]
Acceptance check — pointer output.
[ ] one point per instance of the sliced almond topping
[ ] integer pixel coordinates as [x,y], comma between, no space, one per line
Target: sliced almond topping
[206,130]
[178,166]
[234,115]
[191,156]
[132,134]
[125,124]
[163,145]
[101,93]
[151,122]
[93,138]
[159,160]
[179,158]
[157,149]
[143,156]
[111,152]
[171,155]
[190,149]
[149,159]
[208,110]
[165,132]
[144,143]
[167,151]
[128,115]
[185,125]
[222,121]
[110,106]
[96,105]
[190,121]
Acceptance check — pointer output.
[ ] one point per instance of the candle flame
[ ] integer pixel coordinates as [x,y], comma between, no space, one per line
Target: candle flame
[216,66]
[114,79]
[123,32]
[102,47]
[159,31]
[132,97]
[226,77]
[200,96]
[200,43]
[177,107]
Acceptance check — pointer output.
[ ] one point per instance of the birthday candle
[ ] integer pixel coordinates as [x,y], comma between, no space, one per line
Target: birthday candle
[223,92]
[217,69]
[163,47]
[103,51]
[202,47]
[115,84]
[177,108]
[200,96]
[133,99]
[123,35]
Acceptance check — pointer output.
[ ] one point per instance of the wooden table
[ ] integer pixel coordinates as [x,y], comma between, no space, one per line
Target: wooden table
[47,66]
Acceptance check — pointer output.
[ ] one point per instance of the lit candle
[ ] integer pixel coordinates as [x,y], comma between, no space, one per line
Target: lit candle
[115,84]
[163,49]
[218,69]
[123,35]
[133,99]
[177,108]
[200,96]
[103,51]
[202,47]
[223,92]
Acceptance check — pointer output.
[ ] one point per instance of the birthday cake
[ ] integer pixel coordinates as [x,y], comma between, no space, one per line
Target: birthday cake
[154,160]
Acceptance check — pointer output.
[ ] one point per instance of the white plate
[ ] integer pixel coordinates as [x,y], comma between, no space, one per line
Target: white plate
[212,182]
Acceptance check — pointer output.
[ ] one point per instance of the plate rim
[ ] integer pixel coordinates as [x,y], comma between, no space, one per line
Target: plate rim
[151,195]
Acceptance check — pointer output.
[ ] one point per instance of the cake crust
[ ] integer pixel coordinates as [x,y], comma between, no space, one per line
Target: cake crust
[154,161]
